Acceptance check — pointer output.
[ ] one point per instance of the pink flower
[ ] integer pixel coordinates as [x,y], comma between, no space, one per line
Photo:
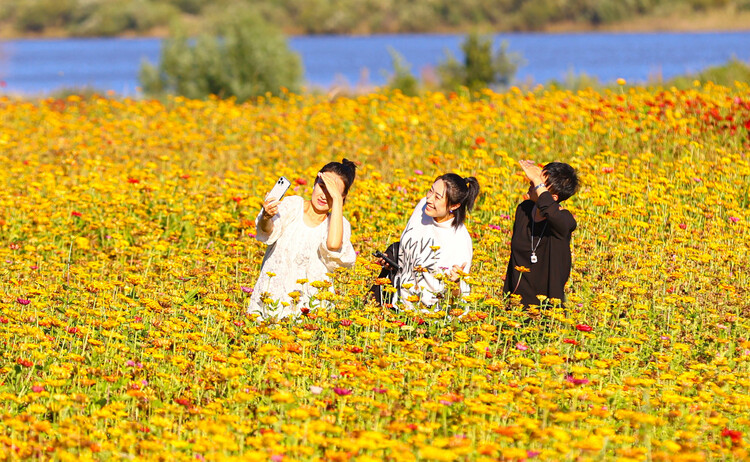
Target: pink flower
[734,219]
[683,226]
[342,391]
[418,172]
[316,390]
[574,381]
[247,290]
[37,388]
[521,346]
[23,301]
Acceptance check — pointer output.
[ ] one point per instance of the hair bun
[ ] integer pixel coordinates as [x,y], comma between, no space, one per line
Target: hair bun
[348,163]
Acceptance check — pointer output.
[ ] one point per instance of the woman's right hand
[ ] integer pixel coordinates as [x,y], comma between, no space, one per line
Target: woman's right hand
[270,207]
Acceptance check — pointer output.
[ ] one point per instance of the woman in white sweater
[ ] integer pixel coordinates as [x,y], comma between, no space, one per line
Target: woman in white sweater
[306,239]
[436,242]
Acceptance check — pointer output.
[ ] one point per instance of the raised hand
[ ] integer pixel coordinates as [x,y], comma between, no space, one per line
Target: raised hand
[532,170]
[334,186]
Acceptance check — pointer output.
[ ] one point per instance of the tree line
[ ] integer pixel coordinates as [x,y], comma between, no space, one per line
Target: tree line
[245,57]
[110,18]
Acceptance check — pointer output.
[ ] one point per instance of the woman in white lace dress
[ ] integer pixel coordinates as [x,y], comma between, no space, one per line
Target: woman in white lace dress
[306,239]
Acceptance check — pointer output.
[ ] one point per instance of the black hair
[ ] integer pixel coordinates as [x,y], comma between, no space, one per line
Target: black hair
[462,192]
[562,179]
[346,170]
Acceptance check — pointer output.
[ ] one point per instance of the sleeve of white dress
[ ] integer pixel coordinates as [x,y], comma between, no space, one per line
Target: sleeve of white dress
[344,257]
[435,286]
[278,221]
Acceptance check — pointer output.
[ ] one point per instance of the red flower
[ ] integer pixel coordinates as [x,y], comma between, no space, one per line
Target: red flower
[584,327]
[355,349]
[73,330]
[24,362]
[76,214]
[734,435]
[133,180]
[570,341]
[301,181]
[304,311]
[346,322]
[237,199]
[479,140]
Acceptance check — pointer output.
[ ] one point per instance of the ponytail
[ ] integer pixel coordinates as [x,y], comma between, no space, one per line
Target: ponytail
[462,192]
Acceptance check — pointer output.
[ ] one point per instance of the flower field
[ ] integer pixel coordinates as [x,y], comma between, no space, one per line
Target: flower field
[127,259]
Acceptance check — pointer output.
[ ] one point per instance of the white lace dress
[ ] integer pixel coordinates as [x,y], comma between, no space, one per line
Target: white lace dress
[297,255]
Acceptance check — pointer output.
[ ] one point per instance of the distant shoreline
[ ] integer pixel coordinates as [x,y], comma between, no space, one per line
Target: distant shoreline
[708,21]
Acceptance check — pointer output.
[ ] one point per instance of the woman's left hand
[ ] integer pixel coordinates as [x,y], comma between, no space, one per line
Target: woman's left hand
[333,185]
[456,272]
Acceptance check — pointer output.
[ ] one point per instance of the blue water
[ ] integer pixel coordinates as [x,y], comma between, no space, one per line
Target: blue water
[43,66]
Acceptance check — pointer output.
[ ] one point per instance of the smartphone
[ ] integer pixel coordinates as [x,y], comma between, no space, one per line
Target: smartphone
[279,189]
[387,259]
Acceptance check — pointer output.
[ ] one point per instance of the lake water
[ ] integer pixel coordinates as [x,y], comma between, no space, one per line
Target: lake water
[43,66]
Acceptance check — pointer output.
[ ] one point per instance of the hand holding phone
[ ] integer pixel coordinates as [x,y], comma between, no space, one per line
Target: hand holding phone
[386,259]
[271,202]
[279,189]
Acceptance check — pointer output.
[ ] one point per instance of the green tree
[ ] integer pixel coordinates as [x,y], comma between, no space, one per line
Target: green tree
[246,58]
[402,78]
[480,68]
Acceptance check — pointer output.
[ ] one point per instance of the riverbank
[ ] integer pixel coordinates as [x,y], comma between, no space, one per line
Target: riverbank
[726,19]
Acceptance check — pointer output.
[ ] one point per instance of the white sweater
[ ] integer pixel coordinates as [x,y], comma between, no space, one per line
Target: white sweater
[435,247]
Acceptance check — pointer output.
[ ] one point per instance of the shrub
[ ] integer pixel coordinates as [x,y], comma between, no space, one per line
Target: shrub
[480,69]
[247,58]
[726,74]
[109,19]
[37,15]
[402,78]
